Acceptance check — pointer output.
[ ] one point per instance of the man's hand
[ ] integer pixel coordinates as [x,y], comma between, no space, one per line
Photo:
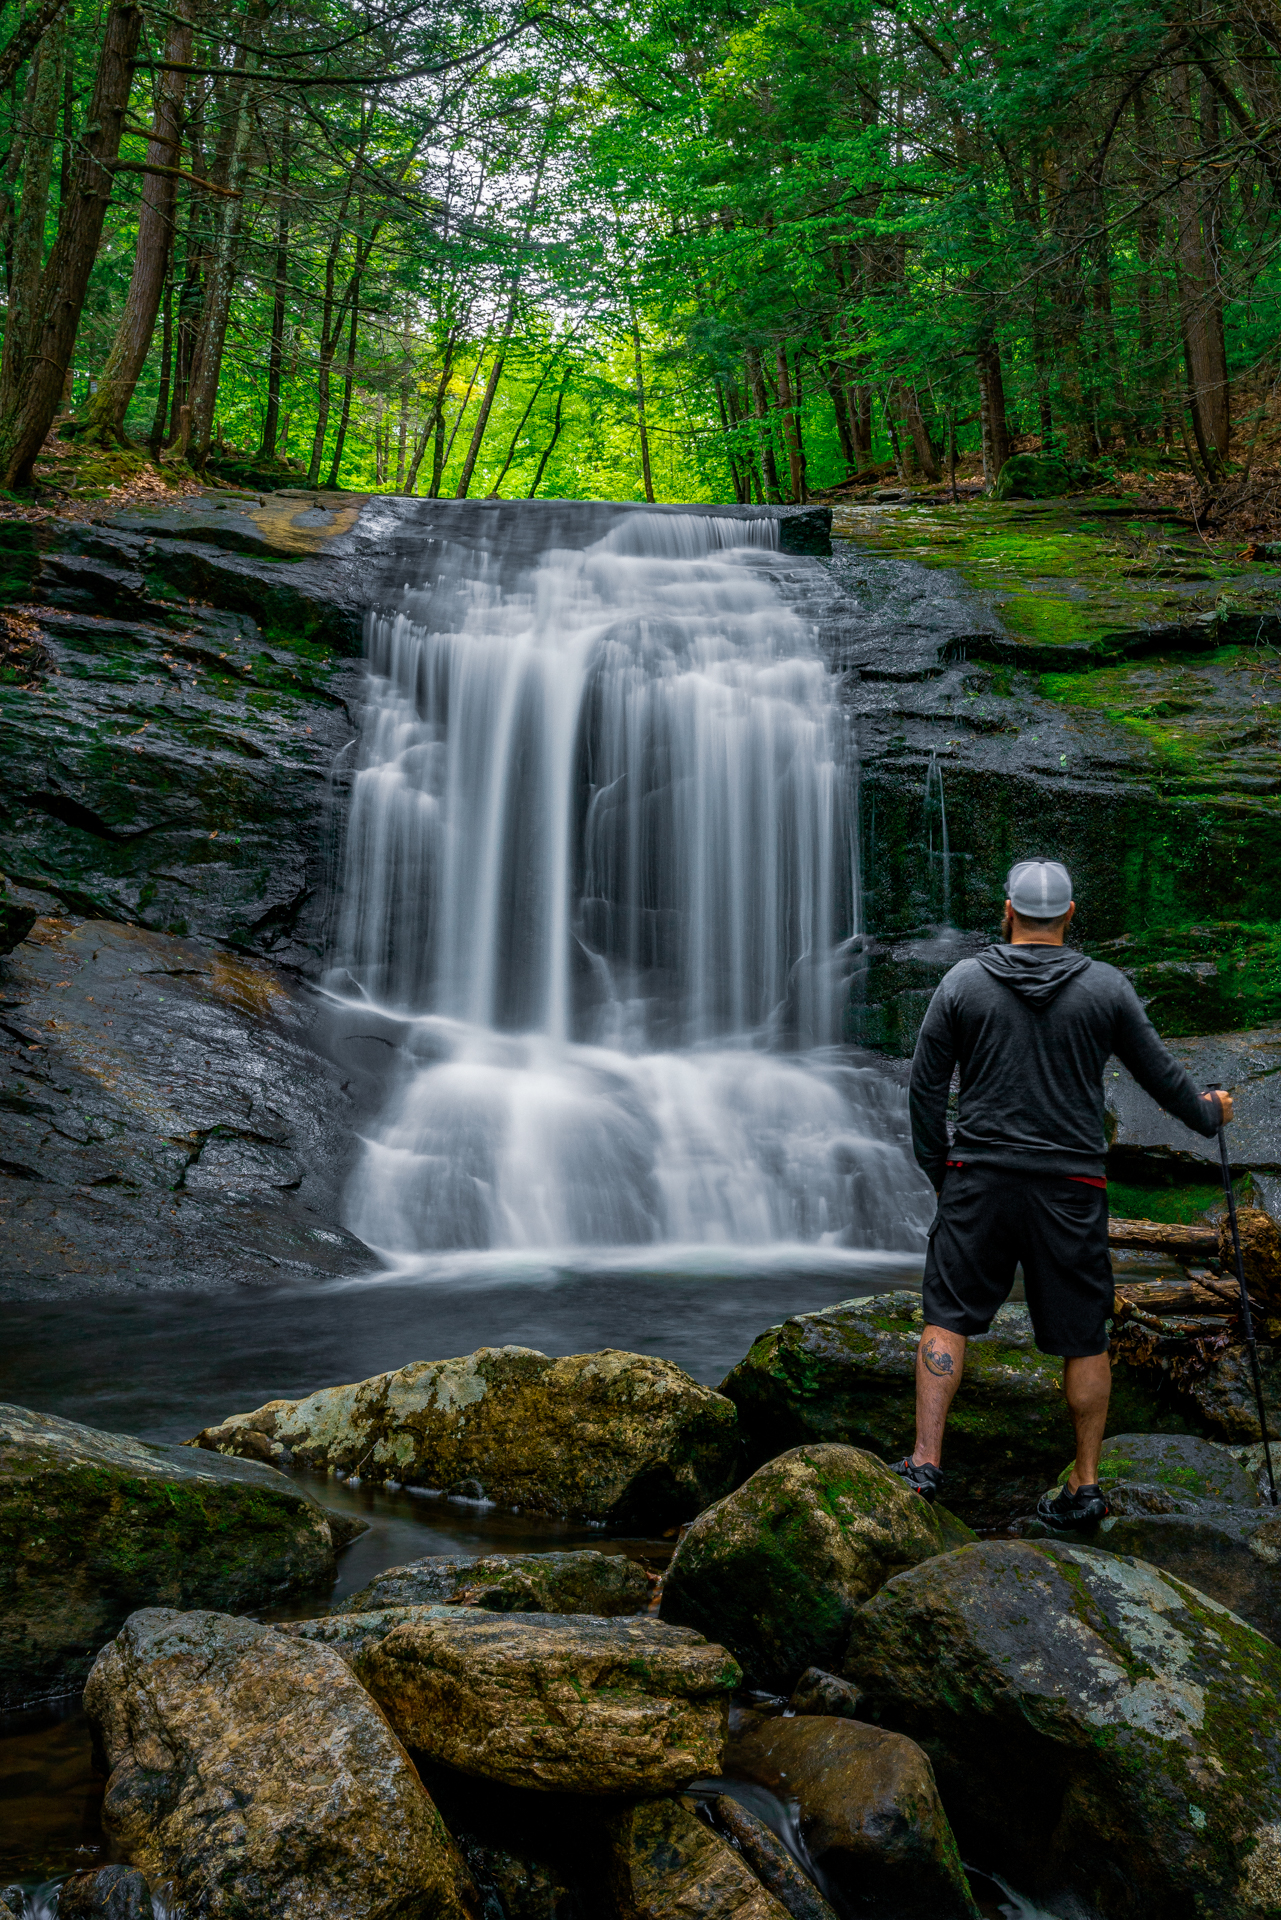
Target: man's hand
[1224,1099]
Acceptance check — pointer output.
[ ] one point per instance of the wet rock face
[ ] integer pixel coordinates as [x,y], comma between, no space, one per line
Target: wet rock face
[606,1584]
[665,1864]
[256,1774]
[777,1569]
[869,1814]
[173,772]
[849,1374]
[112,1893]
[769,1859]
[94,1525]
[565,1703]
[1106,1731]
[598,1436]
[164,1116]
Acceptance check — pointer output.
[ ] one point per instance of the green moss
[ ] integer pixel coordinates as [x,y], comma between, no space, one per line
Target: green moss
[1181,1205]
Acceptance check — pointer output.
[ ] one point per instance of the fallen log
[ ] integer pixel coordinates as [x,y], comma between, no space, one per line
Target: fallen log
[1159,1236]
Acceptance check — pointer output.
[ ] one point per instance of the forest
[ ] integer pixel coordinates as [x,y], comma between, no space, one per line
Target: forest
[665,250]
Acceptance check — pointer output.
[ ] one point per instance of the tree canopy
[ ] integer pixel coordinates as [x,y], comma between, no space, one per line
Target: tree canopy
[730,249]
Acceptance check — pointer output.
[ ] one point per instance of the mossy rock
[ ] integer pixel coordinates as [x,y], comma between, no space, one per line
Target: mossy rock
[1034,476]
[1178,1464]
[605,1584]
[1105,1735]
[775,1571]
[94,1525]
[610,1436]
[848,1373]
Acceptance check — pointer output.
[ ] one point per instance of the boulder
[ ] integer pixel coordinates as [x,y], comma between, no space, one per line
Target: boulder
[607,1436]
[776,1570]
[826,1693]
[1189,1507]
[112,1893]
[848,1373]
[1101,1732]
[1225,1396]
[868,1813]
[584,1582]
[1170,1473]
[769,1860]
[257,1775]
[1033,476]
[664,1864]
[94,1525]
[554,1701]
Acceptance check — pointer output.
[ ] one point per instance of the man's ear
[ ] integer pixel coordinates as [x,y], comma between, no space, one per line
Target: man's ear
[1071,915]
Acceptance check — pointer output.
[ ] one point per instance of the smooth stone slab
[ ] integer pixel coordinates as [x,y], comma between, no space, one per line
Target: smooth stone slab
[557,1702]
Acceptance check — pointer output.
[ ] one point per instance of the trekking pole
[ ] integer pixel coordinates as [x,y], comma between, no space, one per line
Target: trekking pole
[1247,1320]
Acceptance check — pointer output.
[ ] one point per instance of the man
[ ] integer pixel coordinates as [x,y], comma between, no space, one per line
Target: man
[1031,1025]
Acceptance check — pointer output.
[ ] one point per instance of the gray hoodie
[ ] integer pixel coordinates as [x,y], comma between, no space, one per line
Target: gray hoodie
[1032,1028]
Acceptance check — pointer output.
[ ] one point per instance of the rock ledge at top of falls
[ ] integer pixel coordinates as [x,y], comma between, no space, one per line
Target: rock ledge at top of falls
[1107,1732]
[609,1436]
[94,1525]
[848,1373]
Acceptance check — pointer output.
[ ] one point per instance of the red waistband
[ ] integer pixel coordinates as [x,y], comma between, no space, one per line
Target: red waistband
[1081,1179]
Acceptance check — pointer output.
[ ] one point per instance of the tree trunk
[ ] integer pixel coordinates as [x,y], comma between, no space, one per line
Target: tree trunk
[791,425]
[646,473]
[348,381]
[155,438]
[29,395]
[550,448]
[860,405]
[276,352]
[996,435]
[22,321]
[1200,300]
[220,280]
[909,412]
[760,398]
[104,415]
[13,168]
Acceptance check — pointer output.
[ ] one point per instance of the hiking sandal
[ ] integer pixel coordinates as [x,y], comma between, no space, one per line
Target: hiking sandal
[925,1480]
[1067,1511]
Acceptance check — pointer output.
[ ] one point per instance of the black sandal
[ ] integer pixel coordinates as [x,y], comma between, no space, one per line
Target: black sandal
[1067,1511]
[925,1480]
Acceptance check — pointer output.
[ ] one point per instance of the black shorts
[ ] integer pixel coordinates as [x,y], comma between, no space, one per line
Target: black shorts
[989,1220]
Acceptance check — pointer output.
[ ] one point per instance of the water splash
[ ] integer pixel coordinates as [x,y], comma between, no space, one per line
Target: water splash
[599,857]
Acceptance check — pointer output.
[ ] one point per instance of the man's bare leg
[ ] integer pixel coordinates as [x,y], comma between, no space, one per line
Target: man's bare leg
[940,1362]
[1087,1384]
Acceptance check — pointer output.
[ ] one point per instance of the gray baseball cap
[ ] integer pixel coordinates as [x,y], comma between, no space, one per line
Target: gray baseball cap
[1042,889]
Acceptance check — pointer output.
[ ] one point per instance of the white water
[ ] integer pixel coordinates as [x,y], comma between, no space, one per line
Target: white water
[599,859]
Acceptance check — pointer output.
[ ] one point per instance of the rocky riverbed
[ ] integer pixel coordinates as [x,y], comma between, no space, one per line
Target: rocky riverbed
[834,1701]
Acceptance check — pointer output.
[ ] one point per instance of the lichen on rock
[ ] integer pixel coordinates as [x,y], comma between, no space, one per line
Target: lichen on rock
[1106,1731]
[601,1436]
[561,1702]
[256,1774]
[585,1581]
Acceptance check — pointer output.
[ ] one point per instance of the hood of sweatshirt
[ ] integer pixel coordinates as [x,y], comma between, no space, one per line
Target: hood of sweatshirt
[1036,974]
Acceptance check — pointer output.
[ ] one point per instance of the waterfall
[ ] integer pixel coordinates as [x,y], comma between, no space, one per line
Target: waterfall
[599,861]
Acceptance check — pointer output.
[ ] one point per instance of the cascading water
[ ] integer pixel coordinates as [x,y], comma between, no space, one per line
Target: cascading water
[598,860]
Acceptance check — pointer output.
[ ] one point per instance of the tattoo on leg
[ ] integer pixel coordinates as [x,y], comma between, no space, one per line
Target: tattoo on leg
[937,1359]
